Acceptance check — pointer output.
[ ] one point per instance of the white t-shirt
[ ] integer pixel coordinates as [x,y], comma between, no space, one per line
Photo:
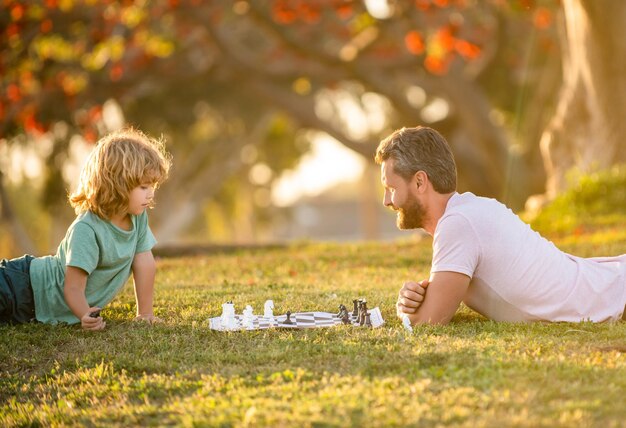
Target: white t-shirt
[516,274]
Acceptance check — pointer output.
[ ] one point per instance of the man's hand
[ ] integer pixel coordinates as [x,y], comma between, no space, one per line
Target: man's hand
[149,318]
[89,322]
[411,296]
[446,291]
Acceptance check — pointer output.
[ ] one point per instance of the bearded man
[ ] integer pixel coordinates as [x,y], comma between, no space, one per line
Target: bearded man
[483,254]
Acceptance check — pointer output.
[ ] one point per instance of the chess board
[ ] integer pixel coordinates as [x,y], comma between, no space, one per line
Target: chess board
[300,320]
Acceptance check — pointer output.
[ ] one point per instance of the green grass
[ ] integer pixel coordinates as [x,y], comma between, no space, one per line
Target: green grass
[473,372]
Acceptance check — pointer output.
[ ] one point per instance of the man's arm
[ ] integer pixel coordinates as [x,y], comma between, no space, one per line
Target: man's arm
[410,297]
[74,294]
[445,292]
[144,272]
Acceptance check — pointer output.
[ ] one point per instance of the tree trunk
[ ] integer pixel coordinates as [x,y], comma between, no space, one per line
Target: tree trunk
[370,202]
[588,131]
[23,242]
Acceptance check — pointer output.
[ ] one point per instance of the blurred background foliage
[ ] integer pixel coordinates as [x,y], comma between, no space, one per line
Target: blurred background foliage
[241,90]
[593,201]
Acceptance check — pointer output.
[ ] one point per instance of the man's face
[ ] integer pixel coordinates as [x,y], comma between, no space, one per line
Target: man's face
[400,197]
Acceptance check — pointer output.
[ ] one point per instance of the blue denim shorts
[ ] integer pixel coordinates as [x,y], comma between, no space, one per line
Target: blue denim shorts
[17,304]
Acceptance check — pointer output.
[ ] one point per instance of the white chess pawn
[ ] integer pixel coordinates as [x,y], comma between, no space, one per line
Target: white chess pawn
[268,309]
[248,317]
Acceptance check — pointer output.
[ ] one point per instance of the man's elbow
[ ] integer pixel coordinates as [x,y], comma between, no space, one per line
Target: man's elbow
[428,319]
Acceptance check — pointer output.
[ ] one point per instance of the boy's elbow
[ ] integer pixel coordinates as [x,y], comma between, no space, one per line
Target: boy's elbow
[144,261]
[145,268]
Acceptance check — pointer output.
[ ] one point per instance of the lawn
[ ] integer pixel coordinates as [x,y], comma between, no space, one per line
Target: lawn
[473,372]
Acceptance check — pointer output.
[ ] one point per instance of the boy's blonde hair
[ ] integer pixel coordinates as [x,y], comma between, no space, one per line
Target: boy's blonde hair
[120,162]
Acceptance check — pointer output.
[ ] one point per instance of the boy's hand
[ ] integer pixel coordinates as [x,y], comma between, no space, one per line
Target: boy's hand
[410,297]
[149,318]
[92,320]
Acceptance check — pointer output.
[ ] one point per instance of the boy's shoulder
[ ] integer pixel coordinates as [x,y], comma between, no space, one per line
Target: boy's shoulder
[89,222]
[95,222]
[87,218]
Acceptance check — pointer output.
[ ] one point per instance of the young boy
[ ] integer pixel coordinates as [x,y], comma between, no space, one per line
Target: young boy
[109,239]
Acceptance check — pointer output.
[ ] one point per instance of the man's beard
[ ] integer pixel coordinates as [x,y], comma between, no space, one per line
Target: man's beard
[411,214]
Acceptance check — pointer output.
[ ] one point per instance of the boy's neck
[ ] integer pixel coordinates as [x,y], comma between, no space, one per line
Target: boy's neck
[122,221]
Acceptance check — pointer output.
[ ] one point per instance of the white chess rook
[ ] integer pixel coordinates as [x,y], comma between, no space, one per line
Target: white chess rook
[227,319]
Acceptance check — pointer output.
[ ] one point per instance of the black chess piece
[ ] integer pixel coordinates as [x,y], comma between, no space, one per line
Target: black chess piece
[342,309]
[355,312]
[345,317]
[368,320]
[288,320]
[362,312]
[343,314]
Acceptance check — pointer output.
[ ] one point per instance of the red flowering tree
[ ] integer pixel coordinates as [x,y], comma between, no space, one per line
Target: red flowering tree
[221,77]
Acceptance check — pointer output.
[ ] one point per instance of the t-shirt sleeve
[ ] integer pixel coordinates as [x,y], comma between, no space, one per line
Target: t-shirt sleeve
[145,238]
[83,250]
[455,246]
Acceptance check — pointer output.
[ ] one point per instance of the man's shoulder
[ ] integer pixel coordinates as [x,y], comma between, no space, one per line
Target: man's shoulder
[486,216]
[478,211]
[468,204]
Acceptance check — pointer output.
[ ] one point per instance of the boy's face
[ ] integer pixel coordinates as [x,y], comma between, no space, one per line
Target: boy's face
[140,198]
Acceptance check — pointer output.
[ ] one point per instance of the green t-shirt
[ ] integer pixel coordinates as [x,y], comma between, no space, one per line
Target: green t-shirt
[98,247]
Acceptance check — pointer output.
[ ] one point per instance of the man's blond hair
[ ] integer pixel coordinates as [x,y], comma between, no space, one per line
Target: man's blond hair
[120,162]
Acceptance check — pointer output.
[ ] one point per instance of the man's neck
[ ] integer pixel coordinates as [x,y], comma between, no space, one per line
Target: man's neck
[436,208]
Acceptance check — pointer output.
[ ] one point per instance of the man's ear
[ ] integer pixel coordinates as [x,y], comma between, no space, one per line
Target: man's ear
[420,180]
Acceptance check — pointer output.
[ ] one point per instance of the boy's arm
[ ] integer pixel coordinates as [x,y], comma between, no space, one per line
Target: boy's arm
[144,272]
[74,293]
[445,293]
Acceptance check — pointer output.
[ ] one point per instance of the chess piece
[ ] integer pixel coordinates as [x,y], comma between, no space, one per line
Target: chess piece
[361,314]
[343,314]
[355,312]
[248,317]
[342,309]
[224,311]
[364,312]
[368,320]
[268,309]
[288,319]
[345,317]
[227,319]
